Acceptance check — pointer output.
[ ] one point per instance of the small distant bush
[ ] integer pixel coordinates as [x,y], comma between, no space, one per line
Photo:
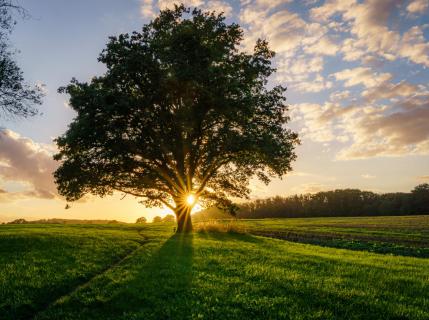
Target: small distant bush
[220,226]
[156,219]
[169,218]
[141,220]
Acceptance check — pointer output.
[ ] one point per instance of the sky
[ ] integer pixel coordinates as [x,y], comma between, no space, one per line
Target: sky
[358,93]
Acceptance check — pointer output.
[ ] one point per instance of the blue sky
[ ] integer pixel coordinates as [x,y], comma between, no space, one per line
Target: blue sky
[356,71]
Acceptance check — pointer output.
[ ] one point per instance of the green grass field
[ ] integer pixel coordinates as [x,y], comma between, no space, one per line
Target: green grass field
[146,272]
[399,235]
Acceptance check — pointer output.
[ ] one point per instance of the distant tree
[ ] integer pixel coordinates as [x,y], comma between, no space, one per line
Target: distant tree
[17,98]
[156,219]
[19,221]
[169,218]
[141,220]
[179,112]
[420,199]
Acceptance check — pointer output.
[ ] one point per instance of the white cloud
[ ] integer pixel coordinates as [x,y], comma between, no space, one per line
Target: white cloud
[330,8]
[362,75]
[271,4]
[150,8]
[302,73]
[388,90]
[414,46]
[286,31]
[169,4]
[317,121]
[27,162]
[418,6]
[351,50]
[219,6]
[299,68]
[378,133]
[369,24]
[370,32]
[368,130]
[339,95]
[324,46]
[315,84]
[146,9]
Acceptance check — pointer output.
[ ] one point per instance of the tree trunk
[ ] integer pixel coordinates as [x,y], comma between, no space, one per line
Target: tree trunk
[184,222]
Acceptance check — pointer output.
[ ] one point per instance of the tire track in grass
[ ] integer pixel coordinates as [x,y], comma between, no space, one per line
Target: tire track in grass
[107,268]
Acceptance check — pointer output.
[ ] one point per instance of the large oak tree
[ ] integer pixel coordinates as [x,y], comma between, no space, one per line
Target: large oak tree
[180,111]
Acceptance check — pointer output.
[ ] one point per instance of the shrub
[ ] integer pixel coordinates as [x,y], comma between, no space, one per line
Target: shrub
[225,226]
[141,220]
[156,219]
[169,218]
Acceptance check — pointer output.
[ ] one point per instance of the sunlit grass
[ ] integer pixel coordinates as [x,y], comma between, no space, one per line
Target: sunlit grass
[205,275]
[220,226]
[399,235]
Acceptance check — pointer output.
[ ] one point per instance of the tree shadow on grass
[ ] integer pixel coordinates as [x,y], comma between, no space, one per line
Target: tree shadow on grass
[150,285]
[162,282]
[163,291]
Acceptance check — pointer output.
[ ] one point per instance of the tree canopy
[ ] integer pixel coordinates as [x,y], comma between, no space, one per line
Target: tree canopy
[141,220]
[17,98]
[168,218]
[156,219]
[181,111]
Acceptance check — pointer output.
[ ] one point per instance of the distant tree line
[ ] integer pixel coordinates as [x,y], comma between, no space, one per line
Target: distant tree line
[63,221]
[169,218]
[157,219]
[345,202]
[336,203]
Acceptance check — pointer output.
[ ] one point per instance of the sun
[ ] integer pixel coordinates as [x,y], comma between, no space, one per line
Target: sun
[190,199]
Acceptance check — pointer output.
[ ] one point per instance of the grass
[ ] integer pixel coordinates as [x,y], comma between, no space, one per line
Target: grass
[38,262]
[399,235]
[135,272]
[230,226]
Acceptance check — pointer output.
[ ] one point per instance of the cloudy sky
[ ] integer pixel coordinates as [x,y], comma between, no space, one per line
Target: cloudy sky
[358,89]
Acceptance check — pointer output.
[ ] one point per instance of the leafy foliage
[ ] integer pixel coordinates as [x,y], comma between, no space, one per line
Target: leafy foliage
[16,97]
[180,110]
[339,203]
[141,220]
[169,218]
[156,219]
[420,198]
